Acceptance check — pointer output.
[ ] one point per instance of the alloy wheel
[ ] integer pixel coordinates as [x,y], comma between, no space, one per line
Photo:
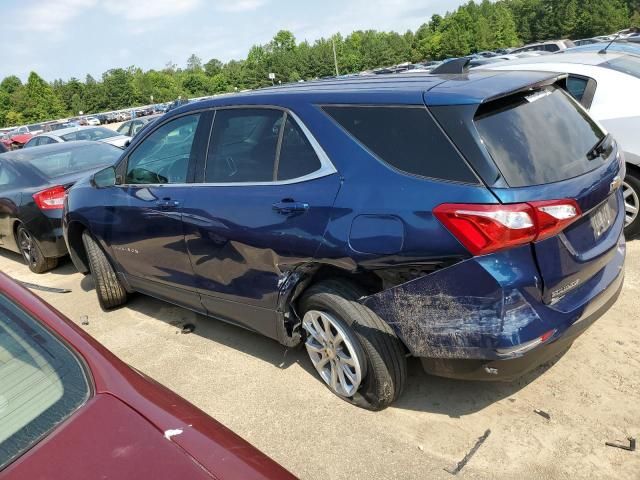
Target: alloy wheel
[631,203]
[26,246]
[333,353]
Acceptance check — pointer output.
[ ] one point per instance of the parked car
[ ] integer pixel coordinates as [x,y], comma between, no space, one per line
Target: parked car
[72,410]
[340,215]
[72,134]
[14,140]
[551,46]
[132,128]
[33,183]
[586,41]
[620,47]
[92,121]
[608,86]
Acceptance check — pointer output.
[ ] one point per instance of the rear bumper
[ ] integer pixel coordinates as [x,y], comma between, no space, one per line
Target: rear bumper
[507,370]
[489,312]
[48,232]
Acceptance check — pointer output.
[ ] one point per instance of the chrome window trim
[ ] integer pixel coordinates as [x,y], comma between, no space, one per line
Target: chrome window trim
[326,165]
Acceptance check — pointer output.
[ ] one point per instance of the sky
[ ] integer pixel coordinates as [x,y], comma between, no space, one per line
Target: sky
[70,38]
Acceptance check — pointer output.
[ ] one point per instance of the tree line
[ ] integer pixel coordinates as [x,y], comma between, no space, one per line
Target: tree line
[471,28]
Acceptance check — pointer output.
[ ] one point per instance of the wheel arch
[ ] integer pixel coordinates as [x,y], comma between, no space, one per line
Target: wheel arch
[75,246]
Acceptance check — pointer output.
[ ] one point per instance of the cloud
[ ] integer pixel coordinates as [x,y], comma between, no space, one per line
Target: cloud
[241,6]
[48,18]
[137,10]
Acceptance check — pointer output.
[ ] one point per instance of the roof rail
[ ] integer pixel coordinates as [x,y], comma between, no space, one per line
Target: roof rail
[459,65]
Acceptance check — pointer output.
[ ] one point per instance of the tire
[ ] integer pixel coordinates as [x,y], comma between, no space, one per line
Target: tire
[32,253]
[111,293]
[631,190]
[373,345]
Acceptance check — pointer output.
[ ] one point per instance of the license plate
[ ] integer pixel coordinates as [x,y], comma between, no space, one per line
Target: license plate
[602,219]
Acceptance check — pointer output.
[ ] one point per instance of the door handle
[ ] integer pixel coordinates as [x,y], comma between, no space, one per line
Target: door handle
[167,204]
[287,207]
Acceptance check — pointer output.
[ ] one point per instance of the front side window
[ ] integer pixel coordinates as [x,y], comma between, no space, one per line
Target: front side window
[41,382]
[243,145]
[124,128]
[163,157]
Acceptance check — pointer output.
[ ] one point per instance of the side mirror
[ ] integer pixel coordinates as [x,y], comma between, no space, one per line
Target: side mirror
[105,178]
[127,143]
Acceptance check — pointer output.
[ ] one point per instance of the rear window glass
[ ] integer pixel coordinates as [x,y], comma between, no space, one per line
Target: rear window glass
[538,137]
[405,138]
[90,134]
[63,162]
[626,64]
[41,382]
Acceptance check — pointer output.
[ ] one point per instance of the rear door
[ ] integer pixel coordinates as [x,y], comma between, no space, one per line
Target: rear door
[546,147]
[260,211]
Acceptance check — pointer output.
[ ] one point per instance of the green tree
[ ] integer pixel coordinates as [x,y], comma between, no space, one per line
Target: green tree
[194,63]
[213,67]
[37,101]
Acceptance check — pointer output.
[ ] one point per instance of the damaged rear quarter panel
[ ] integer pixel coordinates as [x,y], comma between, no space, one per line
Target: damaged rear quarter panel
[466,310]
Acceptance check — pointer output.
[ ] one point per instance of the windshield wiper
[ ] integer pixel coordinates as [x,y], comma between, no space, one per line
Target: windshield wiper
[599,148]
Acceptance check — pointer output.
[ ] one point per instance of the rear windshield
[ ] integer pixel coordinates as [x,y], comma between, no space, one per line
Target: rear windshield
[405,138]
[625,64]
[60,162]
[98,133]
[41,382]
[538,137]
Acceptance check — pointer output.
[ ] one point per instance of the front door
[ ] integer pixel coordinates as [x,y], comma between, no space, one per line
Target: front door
[260,212]
[146,233]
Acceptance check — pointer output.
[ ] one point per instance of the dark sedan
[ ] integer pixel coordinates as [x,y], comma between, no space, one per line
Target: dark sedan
[33,183]
[70,410]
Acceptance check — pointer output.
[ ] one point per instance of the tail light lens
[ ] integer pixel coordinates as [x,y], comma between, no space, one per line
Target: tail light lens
[485,229]
[51,198]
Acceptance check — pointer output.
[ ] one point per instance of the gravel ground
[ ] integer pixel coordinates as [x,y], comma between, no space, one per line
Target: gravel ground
[271,397]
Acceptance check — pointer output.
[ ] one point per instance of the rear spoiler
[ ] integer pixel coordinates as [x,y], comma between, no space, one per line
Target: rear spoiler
[478,87]
[559,80]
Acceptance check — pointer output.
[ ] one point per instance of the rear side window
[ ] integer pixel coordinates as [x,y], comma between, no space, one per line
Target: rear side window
[41,382]
[538,137]
[576,86]
[405,138]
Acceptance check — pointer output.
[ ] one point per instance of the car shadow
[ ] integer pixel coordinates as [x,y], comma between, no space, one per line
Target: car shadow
[423,392]
[65,266]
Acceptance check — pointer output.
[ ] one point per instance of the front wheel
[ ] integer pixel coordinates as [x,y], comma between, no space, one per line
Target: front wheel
[111,293]
[31,252]
[356,354]
[631,193]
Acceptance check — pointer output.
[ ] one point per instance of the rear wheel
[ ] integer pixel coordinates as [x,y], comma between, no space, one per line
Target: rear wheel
[31,252]
[111,293]
[631,192]
[357,354]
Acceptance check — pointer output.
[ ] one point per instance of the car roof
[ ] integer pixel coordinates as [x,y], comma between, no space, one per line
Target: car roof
[466,88]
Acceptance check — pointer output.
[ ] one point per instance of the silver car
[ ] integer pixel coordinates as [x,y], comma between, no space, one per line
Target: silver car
[71,134]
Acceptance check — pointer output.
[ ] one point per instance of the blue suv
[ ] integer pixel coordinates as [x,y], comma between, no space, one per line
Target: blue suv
[473,221]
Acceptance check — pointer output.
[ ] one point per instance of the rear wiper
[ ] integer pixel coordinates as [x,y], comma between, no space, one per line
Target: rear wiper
[599,148]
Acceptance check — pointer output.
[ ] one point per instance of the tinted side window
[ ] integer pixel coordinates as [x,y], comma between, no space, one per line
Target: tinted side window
[406,138]
[46,141]
[7,176]
[163,157]
[42,382]
[297,156]
[243,145]
[576,87]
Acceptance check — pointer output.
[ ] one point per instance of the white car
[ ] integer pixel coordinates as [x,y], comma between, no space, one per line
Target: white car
[92,121]
[608,85]
[101,134]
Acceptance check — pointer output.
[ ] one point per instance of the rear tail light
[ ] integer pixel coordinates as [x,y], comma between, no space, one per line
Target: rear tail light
[485,229]
[51,198]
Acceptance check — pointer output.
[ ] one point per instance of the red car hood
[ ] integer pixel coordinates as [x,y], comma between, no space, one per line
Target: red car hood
[82,448]
[22,138]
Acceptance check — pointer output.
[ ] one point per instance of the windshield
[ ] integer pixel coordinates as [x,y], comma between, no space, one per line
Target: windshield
[41,382]
[538,137]
[58,163]
[98,133]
